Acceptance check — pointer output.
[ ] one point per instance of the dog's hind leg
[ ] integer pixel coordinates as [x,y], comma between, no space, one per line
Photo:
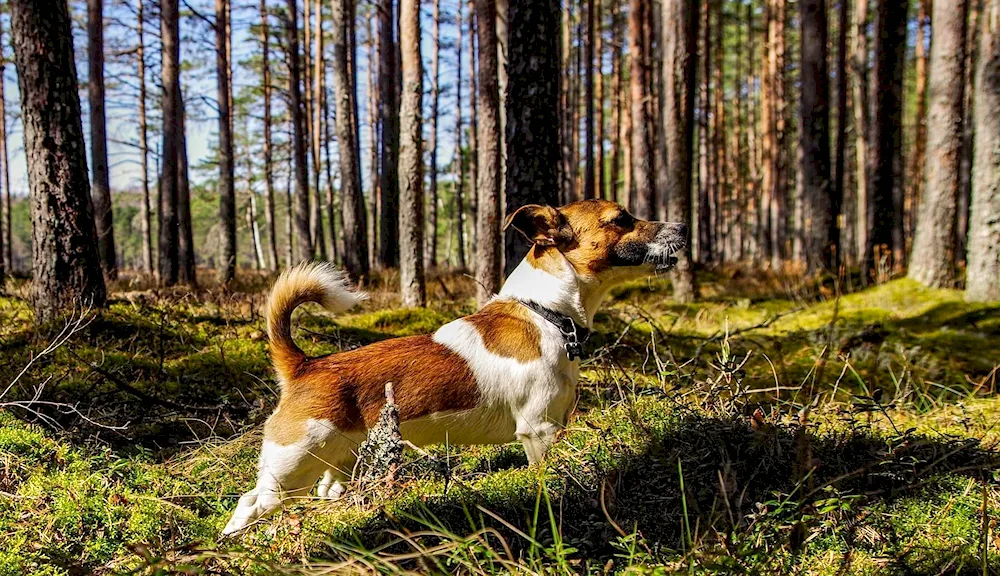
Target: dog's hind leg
[288,471]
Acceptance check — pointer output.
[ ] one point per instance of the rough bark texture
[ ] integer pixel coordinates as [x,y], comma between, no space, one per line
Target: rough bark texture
[814,138]
[185,230]
[6,235]
[226,266]
[352,204]
[304,245]
[933,259]
[641,155]
[589,188]
[170,78]
[265,51]
[389,115]
[316,138]
[411,160]
[862,128]
[840,146]
[532,114]
[459,156]
[489,244]
[885,218]
[680,49]
[983,272]
[100,187]
[66,267]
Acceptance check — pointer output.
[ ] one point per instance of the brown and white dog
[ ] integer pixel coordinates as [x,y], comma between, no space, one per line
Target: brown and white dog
[508,372]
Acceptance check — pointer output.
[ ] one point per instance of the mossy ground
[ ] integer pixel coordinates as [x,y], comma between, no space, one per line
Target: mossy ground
[773,426]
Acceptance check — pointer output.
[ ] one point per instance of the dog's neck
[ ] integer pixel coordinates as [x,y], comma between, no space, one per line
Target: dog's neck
[555,285]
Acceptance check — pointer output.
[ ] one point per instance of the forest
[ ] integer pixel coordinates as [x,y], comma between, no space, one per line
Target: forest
[806,384]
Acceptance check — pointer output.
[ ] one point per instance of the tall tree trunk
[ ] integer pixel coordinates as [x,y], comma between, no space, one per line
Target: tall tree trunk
[641,156]
[617,105]
[933,259]
[983,275]
[145,226]
[599,175]
[767,140]
[532,114]
[167,262]
[336,242]
[227,190]
[778,184]
[917,159]
[680,49]
[567,183]
[969,123]
[840,146]
[389,115]
[289,210]
[885,217]
[185,230]
[100,181]
[66,266]
[459,156]
[269,201]
[305,247]
[489,243]
[705,183]
[589,186]
[432,238]
[814,139]
[352,204]
[373,145]
[503,40]
[316,137]
[473,132]
[6,234]
[411,183]
[720,187]
[862,124]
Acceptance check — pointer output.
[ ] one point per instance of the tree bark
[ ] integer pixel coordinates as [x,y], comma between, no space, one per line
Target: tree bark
[814,139]
[885,217]
[933,259]
[6,234]
[680,48]
[100,181]
[265,50]
[459,156]
[389,116]
[167,262]
[532,114]
[145,212]
[185,230]
[374,124]
[840,147]
[918,156]
[983,272]
[305,249]
[862,124]
[641,156]
[352,205]
[705,179]
[432,144]
[489,244]
[66,266]
[316,138]
[617,106]
[599,174]
[474,191]
[411,182]
[227,191]
[589,186]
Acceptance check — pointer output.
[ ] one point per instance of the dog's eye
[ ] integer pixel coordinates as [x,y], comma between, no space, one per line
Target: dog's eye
[624,220]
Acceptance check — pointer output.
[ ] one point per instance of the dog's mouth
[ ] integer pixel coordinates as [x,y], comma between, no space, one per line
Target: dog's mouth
[666,265]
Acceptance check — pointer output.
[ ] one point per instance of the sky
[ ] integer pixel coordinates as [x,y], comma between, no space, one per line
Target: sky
[199,84]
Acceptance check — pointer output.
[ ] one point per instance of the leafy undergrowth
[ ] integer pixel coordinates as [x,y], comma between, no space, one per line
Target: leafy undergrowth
[772,427]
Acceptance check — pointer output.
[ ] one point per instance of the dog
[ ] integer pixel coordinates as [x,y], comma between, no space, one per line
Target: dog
[506,373]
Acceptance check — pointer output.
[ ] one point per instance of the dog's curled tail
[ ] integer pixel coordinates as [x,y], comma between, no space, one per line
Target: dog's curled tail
[316,282]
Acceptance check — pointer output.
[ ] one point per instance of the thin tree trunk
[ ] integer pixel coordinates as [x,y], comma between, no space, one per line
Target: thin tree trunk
[352,205]
[100,181]
[305,247]
[265,42]
[641,156]
[290,212]
[969,123]
[862,124]
[66,266]
[6,235]
[567,185]
[503,39]
[589,186]
[840,146]
[680,49]
[599,97]
[473,133]
[316,137]
[617,105]
[933,258]
[814,139]
[226,270]
[705,252]
[411,183]
[373,145]
[983,273]
[185,238]
[389,115]
[489,242]
[532,114]
[778,191]
[167,262]
[917,159]
[720,187]
[145,225]
[885,218]
[432,143]
[459,156]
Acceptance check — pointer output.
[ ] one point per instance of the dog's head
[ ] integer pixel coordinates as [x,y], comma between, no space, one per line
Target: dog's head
[600,239]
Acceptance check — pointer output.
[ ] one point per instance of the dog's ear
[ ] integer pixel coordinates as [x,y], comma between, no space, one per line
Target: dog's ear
[542,225]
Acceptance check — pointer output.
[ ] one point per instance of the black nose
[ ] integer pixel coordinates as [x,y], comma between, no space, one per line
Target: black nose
[682,229]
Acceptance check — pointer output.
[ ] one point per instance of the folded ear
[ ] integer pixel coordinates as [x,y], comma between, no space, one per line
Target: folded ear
[543,225]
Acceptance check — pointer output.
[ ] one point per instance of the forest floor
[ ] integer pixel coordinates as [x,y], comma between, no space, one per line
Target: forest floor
[775,426]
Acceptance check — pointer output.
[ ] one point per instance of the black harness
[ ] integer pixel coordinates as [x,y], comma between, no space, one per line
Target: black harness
[574,335]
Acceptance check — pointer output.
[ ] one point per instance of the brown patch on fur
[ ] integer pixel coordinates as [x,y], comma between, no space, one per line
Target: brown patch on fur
[348,389]
[508,330]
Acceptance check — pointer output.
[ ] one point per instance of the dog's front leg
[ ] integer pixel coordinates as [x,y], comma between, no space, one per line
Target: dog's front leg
[536,437]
